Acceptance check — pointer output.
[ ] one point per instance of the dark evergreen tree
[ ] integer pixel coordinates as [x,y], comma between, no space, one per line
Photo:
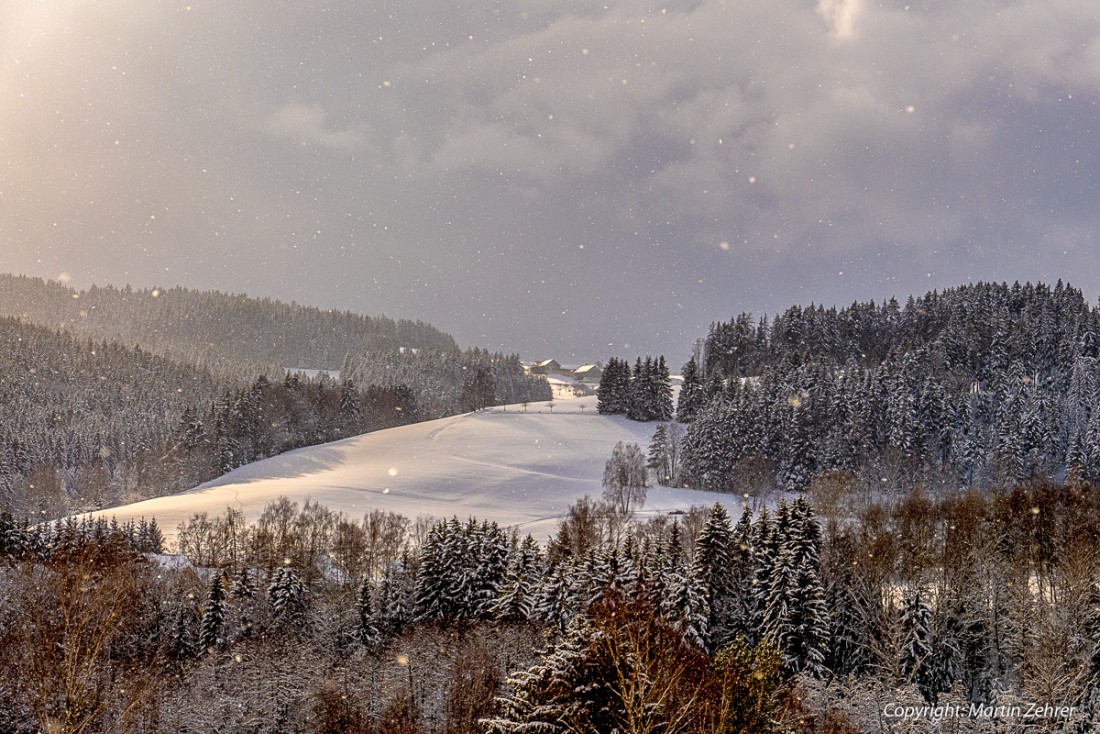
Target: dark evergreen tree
[688,610]
[181,647]
[640,402]
[395,597]
[479,392]
[518,592]
[430,600]
[658,459]
[554,605]
[613,395]
[693,394]
[366,631]
[287,596]
[213,616]
[242,587]
[917,660]
[660,400]
[712,568]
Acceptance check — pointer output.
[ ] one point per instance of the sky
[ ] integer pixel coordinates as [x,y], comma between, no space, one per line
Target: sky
[559,178]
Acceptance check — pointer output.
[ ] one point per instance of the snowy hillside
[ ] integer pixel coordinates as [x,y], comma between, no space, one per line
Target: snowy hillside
[504,464]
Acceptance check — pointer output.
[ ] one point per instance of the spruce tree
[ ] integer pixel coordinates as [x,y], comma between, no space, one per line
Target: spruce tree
[554,604]
[430,601]
[917,647]
[181,647]
[661,386]
[489,566]
[741,576]
[693,394]
[517,597]
[213,616]
[805,646]
[395,596]
[657,458]
[688,611]
[242,587]
[712,569]
[613,395]
[287,596]
[640,394]
[366,631]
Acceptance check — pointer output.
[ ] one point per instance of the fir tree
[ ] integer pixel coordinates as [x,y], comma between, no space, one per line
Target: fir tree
[805,646]
[916,652]
[430,601]
[517,597]
[488,566]
[661,400]
[366,631]
[613,395]
[213,616]
[657,459]
[287,596]
[639,407]
[712,569]
[554,605]
[181,647]
[395,597]
[693,395]
[688,611]
[242,587]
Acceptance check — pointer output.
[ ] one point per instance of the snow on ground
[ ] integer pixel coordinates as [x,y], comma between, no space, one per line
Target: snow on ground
[518,468]
[566,388]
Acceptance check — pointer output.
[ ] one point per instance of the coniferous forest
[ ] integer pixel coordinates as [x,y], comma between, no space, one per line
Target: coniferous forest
[224,332]
[978,386]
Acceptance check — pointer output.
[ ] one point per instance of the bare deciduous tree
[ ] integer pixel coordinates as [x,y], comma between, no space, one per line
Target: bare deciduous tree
[624,478]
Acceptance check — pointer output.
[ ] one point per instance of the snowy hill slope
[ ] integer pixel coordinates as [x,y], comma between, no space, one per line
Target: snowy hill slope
[504,464]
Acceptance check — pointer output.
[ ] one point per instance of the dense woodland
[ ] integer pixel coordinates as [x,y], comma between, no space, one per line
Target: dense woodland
[223,332]
[976,386]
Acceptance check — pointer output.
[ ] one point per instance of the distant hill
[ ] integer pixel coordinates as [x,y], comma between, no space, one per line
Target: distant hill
[217,330]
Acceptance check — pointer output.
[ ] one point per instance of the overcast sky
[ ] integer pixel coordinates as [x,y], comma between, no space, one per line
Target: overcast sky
[562,178]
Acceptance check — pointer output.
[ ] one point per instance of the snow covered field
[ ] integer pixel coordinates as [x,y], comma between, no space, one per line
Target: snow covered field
[504,464]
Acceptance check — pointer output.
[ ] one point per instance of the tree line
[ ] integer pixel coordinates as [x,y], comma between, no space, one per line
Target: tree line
[794,617]
[981,385]
[227,333]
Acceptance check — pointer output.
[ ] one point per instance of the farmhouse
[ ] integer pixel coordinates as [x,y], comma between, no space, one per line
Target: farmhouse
[546,367]
[588,373]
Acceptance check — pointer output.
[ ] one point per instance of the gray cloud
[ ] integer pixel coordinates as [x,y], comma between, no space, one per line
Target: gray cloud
[552,176]
[308,125]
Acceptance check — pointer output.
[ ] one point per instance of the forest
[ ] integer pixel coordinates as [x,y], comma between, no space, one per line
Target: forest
[231,334]
[977,386]
[817,615]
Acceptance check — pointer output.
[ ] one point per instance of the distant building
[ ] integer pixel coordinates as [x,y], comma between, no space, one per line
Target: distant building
[588,373]
[546,367]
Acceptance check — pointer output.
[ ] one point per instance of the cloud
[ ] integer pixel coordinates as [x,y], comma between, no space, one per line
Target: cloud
[841,16]
[307,125]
